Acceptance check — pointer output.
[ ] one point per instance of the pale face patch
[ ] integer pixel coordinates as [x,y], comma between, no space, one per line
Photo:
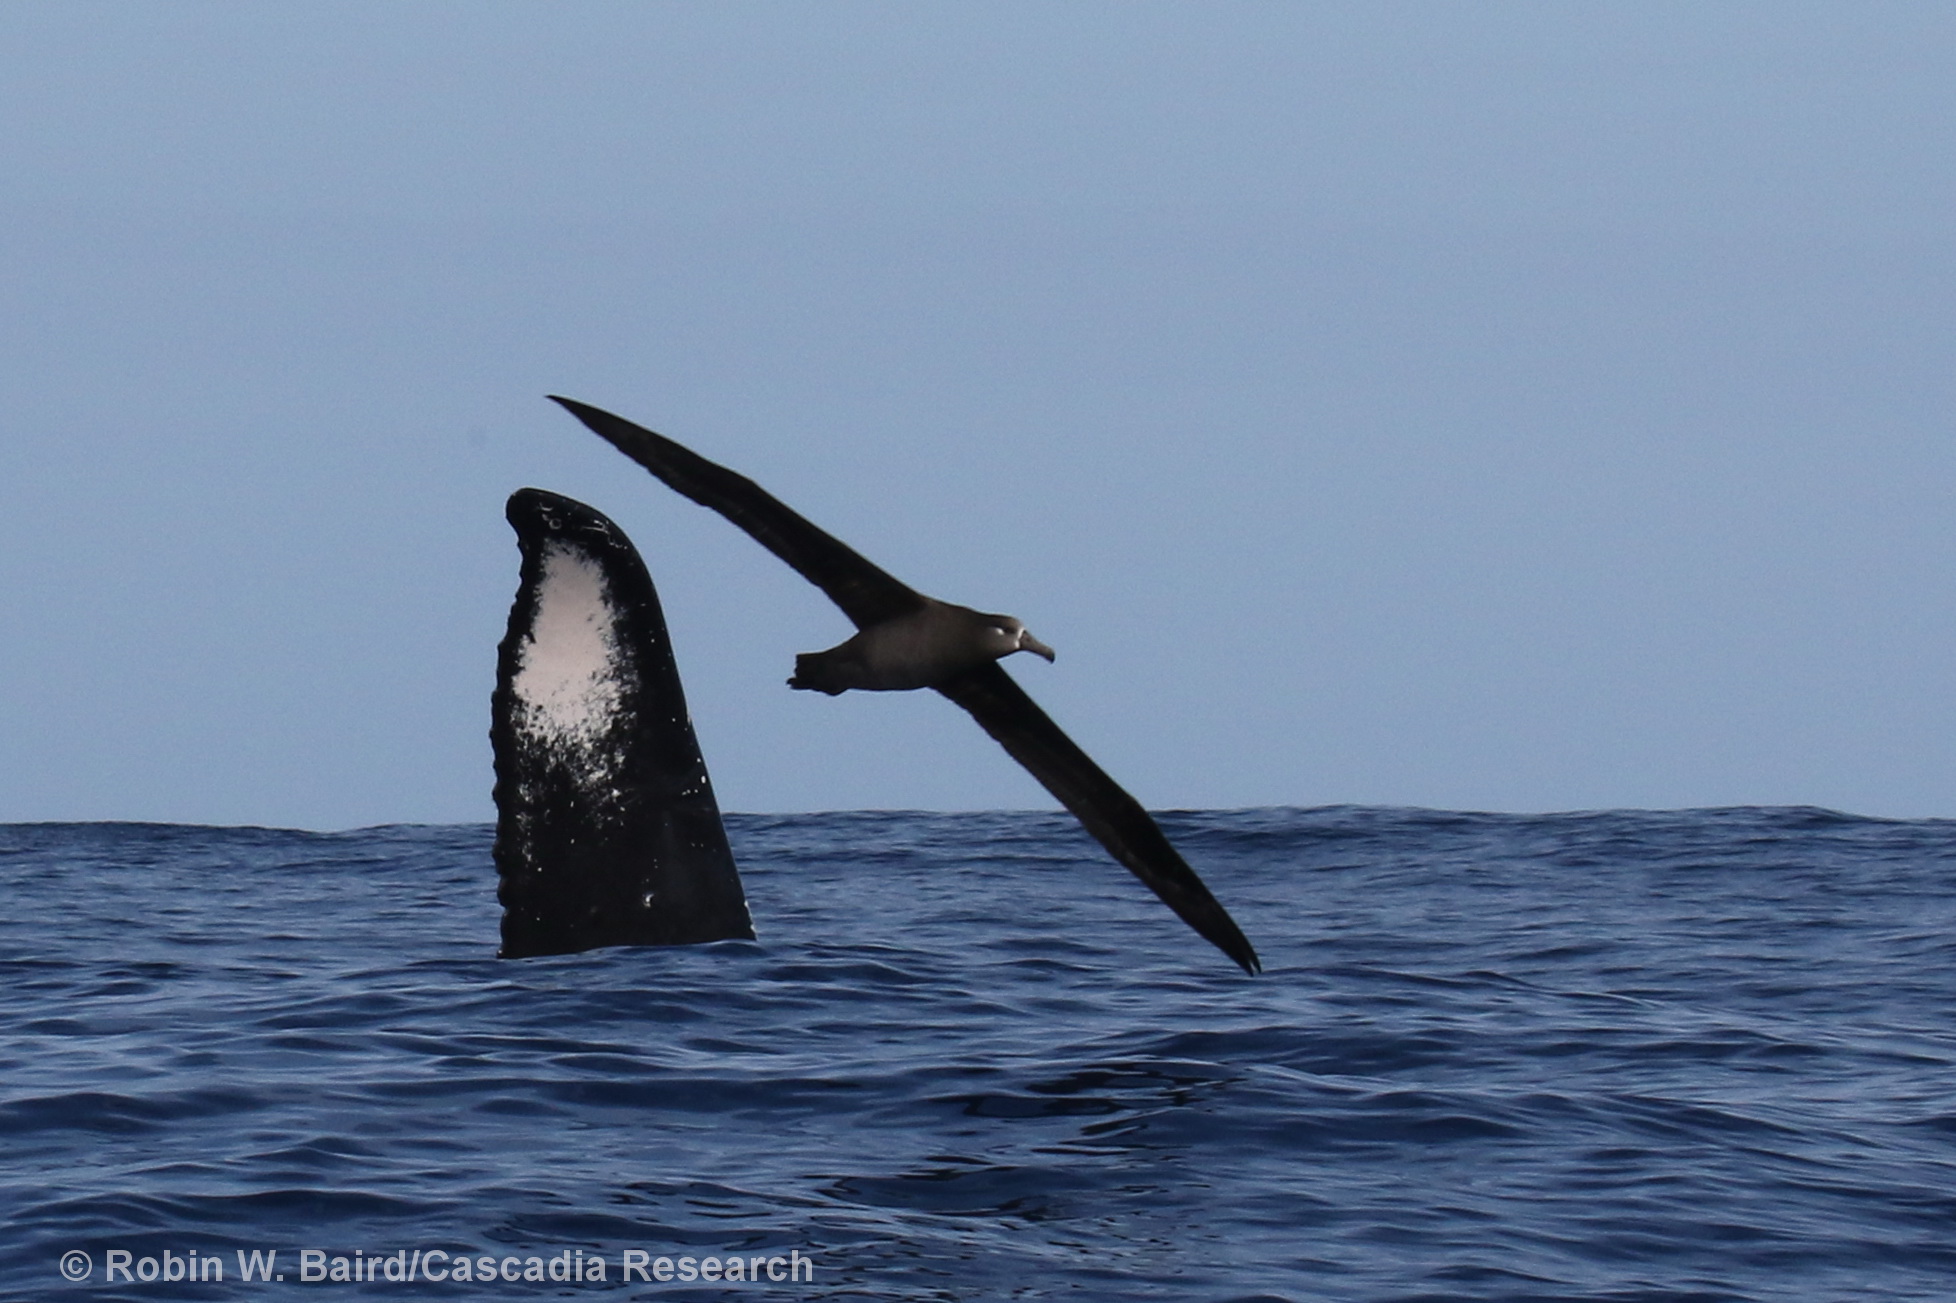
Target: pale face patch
[572,676]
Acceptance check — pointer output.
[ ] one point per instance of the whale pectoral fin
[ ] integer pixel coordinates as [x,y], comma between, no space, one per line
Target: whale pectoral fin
[607,832]
[1102,806]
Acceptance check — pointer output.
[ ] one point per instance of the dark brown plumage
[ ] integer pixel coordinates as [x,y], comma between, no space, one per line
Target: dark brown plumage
[958,657]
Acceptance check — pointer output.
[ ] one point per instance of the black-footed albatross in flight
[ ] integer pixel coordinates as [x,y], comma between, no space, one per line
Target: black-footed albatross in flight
[907,640]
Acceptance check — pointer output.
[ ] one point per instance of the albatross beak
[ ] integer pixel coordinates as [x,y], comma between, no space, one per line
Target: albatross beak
[1029,643]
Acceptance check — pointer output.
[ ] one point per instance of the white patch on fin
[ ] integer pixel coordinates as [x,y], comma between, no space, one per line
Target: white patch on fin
[572,676]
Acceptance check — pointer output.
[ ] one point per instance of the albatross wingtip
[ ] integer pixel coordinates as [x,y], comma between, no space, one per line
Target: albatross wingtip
[634,440]
[582,411]
[1220,930]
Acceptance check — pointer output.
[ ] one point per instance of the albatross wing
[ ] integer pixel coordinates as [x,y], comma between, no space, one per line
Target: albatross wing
[1102,806]
[864,592]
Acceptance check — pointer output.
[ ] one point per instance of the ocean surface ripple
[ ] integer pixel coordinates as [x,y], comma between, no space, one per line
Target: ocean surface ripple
[1623,1056]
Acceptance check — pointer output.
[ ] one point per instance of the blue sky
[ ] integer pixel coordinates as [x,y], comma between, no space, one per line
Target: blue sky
[1502,406]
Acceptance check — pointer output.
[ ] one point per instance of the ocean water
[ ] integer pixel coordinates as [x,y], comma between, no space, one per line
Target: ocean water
[1699,1055]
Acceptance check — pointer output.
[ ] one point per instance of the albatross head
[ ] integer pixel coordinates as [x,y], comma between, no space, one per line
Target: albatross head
[1005,634]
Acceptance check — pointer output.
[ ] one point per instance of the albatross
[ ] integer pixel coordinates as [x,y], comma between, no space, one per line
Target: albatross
[905,640]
